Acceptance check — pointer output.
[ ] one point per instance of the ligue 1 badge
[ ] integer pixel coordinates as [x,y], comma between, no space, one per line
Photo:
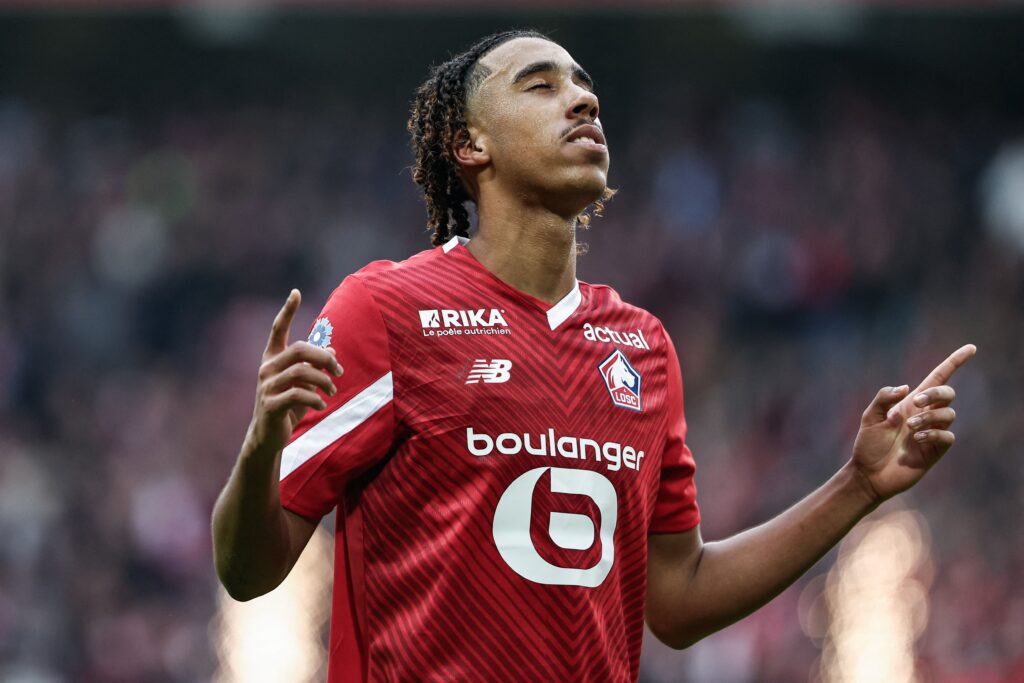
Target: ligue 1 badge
[320,336]
[622,381]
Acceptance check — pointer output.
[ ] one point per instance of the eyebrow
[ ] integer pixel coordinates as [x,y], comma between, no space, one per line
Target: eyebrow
[539,67]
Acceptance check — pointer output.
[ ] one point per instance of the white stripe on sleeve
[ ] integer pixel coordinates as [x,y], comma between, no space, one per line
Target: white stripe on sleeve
[337,424]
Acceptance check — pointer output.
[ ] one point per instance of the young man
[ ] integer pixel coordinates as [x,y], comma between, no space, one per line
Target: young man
[505,445]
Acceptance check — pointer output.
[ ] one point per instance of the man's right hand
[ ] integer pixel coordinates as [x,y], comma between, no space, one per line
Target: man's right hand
[289,377]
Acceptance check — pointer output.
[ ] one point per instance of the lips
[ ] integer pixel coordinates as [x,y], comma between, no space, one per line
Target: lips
[587,131]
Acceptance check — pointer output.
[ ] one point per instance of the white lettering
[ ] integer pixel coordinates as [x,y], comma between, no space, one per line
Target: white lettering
[567,447]
[535,451]
[612,453]
[607,334]
[583,448]
[473,439]
[509,450]
[629,457]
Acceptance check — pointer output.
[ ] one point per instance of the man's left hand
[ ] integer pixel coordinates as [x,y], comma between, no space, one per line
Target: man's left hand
[903,433]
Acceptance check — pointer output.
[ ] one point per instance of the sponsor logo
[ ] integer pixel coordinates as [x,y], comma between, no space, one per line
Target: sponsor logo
[614,455]
[495,371]
[320,335]
[622,381]
[446,322]
[513,526]
[608,335]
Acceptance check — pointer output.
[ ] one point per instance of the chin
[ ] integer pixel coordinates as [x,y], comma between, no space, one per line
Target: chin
[572,190]
[588,188]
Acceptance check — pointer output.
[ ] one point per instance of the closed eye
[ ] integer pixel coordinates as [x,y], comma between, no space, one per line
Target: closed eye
[540,85]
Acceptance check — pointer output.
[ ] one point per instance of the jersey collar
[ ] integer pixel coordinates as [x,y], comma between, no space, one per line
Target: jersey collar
[556,314]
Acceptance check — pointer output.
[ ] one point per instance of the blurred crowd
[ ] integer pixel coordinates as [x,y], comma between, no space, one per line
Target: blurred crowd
[802,254]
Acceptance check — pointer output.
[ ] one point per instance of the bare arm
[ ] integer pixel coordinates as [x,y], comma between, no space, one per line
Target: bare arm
[256,542]
[695,589]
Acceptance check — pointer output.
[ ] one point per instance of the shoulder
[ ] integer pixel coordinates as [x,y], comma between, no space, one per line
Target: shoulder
[422,265]
[608,304]
[379,281]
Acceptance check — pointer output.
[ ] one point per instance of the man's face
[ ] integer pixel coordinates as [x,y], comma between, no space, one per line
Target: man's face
[531,115]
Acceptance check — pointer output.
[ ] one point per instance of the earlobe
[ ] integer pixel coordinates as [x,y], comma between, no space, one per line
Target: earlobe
[471,150]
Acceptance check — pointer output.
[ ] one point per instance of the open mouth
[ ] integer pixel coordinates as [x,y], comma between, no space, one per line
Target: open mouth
[587,134]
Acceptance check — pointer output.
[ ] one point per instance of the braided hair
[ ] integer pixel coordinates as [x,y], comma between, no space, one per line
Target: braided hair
[438,123]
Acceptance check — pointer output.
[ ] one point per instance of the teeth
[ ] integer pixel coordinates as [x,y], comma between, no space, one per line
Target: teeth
[584,138]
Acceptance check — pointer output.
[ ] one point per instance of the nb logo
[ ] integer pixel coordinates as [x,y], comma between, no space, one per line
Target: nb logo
[495,371]
[566,530]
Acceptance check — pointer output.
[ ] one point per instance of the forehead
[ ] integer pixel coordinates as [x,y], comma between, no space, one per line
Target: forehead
[508,58]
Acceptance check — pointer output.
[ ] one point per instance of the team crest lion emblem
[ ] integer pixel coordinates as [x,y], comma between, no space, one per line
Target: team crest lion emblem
[622,381]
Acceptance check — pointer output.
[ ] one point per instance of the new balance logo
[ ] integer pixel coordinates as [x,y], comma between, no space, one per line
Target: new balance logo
[447,322]
[494,371]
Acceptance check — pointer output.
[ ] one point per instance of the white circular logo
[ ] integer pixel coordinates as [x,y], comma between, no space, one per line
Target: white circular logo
[566,529]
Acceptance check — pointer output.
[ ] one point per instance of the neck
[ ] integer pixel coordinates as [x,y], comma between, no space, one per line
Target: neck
[527,247]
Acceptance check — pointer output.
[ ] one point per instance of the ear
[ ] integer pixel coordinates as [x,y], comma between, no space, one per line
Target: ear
[470,149]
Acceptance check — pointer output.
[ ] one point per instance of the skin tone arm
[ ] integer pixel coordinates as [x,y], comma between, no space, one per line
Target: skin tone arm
[696,588]
[256,542]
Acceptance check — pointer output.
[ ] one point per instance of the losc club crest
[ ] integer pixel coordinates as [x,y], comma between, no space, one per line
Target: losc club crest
[622,380]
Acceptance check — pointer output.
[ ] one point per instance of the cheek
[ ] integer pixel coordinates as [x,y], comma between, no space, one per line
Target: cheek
[516,129]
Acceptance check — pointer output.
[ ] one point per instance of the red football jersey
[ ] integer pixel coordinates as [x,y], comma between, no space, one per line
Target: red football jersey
[497,464]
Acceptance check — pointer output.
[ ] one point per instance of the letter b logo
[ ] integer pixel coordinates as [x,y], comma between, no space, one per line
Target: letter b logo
[567,530]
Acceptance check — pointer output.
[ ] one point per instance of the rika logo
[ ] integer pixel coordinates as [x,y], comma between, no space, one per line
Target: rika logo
[622,381]
[447,322]
[495,371]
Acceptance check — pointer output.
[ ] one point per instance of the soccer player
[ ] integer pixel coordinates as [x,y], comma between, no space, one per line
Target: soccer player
[505,446]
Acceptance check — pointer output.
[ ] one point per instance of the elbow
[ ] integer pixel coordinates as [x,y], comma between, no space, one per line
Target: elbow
[239,583]
[239,589]
[675,635]
[241,593]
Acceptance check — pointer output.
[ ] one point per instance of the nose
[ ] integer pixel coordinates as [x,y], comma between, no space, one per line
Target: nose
[584,105]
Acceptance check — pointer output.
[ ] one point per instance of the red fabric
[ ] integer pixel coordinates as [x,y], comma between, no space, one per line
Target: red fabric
[676,509]
[434,521]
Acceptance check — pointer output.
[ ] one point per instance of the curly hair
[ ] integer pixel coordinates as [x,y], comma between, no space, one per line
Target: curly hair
[438,122]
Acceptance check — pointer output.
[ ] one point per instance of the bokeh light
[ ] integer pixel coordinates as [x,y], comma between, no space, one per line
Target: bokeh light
[877,606]
[278,637]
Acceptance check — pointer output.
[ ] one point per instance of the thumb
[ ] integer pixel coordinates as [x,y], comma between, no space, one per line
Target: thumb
[883,407]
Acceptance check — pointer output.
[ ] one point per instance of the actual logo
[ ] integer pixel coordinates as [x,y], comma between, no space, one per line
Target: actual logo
[320,335]
[495,371]
[608,335]
[622,381]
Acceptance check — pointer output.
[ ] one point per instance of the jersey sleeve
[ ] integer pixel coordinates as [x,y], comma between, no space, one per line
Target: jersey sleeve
[675,508]
[329,447]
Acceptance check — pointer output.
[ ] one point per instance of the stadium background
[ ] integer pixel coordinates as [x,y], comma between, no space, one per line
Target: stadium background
[818,199]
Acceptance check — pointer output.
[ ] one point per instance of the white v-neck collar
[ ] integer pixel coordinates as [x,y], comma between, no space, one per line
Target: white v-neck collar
[558,313]
[561,311]
[454,242]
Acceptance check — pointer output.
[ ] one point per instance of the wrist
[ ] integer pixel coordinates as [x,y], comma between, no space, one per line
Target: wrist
[854,481]
[256,454]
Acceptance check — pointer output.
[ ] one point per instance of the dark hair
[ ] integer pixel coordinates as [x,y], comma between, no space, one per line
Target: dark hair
[438,123]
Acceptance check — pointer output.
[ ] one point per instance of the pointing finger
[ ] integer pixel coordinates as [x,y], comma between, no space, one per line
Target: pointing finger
[944,370]
[279,330]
